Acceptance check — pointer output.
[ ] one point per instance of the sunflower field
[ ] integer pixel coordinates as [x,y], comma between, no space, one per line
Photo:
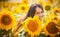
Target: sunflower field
[11,25]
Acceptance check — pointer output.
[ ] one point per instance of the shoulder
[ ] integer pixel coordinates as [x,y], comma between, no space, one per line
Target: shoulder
[22,18]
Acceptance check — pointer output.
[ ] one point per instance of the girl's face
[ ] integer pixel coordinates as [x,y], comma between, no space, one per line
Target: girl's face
[39,13]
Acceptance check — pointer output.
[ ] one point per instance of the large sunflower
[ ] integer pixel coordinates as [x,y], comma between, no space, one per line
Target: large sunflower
[50,28]
[33,26]
[7,20]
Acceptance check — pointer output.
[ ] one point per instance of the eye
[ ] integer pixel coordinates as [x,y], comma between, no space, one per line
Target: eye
[38,12]
[42,12]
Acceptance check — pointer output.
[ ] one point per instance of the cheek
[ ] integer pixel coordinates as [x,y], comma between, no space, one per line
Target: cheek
[41,15]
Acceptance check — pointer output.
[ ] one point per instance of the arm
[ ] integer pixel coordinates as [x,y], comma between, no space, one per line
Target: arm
[19,25]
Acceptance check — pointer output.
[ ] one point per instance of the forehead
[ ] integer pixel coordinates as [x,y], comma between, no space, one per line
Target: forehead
[38,9]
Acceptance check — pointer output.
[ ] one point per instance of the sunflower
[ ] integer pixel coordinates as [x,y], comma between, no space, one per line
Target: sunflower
[51,1]
[24,7]
[16,10]
[33,26]
[9,6]
[25,1]
[56,10]
[8,20]
[47,6]
[56,20]
[52,15]
[5,4]
[21,8]
[50,28]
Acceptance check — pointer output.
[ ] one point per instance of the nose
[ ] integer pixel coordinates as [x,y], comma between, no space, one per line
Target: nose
[41,15]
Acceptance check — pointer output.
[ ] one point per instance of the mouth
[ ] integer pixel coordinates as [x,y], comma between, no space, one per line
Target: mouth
[41,18]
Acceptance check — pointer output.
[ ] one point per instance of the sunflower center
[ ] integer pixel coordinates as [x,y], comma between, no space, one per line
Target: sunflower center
[51,1]
[23,8]
[32,26]
[25,1]
[51,28]
[47,8]
[55,18]
[56,11]
[6,20]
